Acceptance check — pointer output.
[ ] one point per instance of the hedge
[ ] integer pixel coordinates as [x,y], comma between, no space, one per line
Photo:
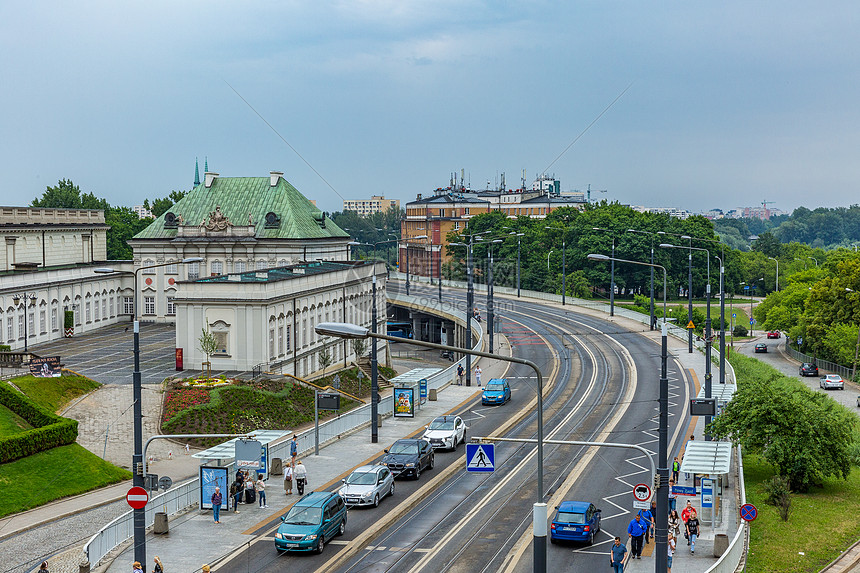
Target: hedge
[49,430]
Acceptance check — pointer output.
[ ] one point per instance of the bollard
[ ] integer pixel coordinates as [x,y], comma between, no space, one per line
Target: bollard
[84,567]
[721,543]
[379,420]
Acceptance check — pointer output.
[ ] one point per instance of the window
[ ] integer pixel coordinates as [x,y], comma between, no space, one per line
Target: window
[304,332]
[77,307]
[147,263]
[221,330]
[89,312]
[287,339]
[112,314]
[104,307]
[97,308]
[239,267]
[171,306]
[128,305]
[271,340]
[280,340]
[261,265]
[54,319]
[31,324]
[193,271]
[149,305]
[20,325]
[43,321]
[466,211]
[456,225]
[10,329]
[217,268]
[171,269]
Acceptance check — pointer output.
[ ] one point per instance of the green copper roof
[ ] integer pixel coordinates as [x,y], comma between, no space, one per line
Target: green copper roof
[239,196]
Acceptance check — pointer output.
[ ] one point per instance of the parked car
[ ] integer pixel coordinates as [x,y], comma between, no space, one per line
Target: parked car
[832,381]
[497,391]
[409,457]
[858,401]
[760,347]
[773,334]
[316,518]
[366,485]
[575,521]
[446,432]
[808,369]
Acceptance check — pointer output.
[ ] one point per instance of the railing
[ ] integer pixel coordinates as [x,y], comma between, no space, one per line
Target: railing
[122,528]
[734,558]
[843,371]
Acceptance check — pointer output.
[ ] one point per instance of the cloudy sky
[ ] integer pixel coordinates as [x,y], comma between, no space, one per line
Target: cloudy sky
[730,103]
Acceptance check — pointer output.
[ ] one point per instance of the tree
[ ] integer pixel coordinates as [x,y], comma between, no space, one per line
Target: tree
[124,224]
[162,205]
[208,346]
[67,195]
[359,346]
[324,358]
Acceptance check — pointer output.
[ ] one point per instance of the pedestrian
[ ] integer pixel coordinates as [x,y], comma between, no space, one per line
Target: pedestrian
[288,480]
[260,486]
[216,504]
[673,498]
[676,467]
[693,530]
[617,552]
[205,568]
[159,568]
[675,523]
[636,530]
[301,474]
[685,515]
[671,551]
[136,568]
[478,372]
[647,516]
[460,372]
[294,449]
[237,490]
[250,493]
[44,567]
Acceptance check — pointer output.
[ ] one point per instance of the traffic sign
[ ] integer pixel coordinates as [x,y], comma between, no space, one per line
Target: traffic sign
[752,321]
[691,325]
[480,457]
[734,315]
[137,497]
[684,490]
[707,492]
[748,512]
[641,492]
[165,482]
[641,505]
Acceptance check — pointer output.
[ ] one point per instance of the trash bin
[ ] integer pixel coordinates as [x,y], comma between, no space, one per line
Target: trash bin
[379,420]
[276,468]
[84,567]
[432,395]
[160,525]
[721,543]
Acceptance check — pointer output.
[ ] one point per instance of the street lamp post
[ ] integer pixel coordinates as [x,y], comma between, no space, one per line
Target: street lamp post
[651,237]
[518,235]
[662,518]
[406,241]
[490,306]
[563,263]
[612,274]
[689,286]
[374,370]
[777,271]
[539,514]
[29,299]
[137,457]
[722,259]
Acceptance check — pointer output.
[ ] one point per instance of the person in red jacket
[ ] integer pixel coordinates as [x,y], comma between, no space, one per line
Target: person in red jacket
[685,516]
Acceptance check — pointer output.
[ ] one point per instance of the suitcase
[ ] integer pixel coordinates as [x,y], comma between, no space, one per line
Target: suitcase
[250,496]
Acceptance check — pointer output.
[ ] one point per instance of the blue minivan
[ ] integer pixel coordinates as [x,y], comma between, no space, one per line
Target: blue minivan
[314,519]
[575,521]
[497,391]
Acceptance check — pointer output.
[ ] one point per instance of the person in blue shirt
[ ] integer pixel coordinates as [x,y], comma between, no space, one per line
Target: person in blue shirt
[636,530]
[294,449]
[617,552]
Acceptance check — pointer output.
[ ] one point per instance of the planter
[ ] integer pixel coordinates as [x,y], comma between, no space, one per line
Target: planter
[69,332]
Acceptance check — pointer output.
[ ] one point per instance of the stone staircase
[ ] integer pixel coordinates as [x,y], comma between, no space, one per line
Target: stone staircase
[363,364]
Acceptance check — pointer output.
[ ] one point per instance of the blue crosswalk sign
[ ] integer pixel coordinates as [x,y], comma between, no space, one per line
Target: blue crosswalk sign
[480,457]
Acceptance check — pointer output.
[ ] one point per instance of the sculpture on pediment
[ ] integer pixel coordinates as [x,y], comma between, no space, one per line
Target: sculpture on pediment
[217,220]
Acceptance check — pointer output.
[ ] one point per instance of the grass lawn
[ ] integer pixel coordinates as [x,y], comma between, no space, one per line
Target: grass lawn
[11,423]
[53,474]
[821,525]
[54,393]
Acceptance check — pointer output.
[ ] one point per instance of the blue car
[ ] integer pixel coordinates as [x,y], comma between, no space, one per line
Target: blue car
[575,521]
[314,519]
[497,391]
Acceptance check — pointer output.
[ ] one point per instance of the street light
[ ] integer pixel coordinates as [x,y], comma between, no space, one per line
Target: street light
[662,517]
[814,259]
[689,286]
[777,271]
[650,236]
[470,301]
[563,263]
[612,272]
[137,457]
[406,240]
[518,235]
[490,306]
[539,514]
[721,258]
[29,299]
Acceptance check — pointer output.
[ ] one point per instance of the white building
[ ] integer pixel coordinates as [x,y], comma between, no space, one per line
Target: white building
[142,212]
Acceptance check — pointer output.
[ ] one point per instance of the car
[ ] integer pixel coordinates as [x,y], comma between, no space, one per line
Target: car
[760,347]
[446,432]
[858,401]
[497,391]
[575,521]
[832,381]
[316,518]
[366,485]
[808,369]
[409,456]
[773,334]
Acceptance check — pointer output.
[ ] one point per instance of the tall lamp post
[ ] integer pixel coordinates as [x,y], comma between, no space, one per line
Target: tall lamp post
[662,517]
[490,307]
[539,513]
[651,238]
[612,274]
[722,259]
[470,302]
[406,241]
[518,236]
[563,263]
[689,286]
[777,271]
[29,299]
[137,457]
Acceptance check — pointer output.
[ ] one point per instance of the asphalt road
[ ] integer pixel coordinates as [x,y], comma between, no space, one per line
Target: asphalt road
[482,522]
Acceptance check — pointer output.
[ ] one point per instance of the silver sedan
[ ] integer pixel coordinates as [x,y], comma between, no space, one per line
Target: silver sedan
[366,485]
[832,381]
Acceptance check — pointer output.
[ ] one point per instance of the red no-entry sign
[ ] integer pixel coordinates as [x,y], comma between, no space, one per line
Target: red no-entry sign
[137,497]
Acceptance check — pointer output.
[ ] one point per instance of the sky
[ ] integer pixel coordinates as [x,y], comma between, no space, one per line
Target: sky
[727,104]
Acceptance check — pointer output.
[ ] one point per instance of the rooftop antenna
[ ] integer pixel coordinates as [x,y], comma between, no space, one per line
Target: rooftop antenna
[502,186]
[523,188]
[462,179]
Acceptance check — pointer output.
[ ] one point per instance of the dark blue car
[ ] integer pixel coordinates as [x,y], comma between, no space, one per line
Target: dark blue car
[575,521]
[497,391]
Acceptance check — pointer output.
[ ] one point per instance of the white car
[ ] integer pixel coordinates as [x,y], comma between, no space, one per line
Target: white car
[446,432]
[366,485]
[832,381]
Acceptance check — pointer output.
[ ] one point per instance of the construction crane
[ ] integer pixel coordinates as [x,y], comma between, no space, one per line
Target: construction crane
[588,197]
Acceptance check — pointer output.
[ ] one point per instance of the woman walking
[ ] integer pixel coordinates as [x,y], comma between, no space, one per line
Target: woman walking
[159,568]
[260,486]
[288,480]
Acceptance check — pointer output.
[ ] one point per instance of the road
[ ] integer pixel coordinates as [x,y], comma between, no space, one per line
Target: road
[602,386]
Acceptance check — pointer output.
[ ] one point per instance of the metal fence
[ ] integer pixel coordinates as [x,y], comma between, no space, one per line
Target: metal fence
[844,371]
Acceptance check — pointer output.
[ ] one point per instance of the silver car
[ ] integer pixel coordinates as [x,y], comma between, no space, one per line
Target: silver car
[832,381]
[366,485]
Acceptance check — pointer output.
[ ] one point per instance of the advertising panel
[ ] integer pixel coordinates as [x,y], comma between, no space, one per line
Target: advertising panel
[404,402]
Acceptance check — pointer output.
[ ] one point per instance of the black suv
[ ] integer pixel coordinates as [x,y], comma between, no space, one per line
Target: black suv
[808,369]
[409,456]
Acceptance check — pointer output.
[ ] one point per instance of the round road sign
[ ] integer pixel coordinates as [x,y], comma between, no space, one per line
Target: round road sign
[137,497]
[642,492]
[748,512]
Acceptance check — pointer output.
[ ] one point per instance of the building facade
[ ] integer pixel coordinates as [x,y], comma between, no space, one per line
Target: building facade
[266,318]
[376,204]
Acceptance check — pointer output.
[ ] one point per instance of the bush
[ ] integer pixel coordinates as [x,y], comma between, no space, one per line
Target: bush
[68,318]
[777,492]
[49,430]
[740,331]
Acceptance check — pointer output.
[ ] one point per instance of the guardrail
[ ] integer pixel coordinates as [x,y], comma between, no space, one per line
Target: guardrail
[843,371]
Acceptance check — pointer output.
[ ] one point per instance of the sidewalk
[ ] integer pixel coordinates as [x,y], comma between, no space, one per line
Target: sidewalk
[188,545]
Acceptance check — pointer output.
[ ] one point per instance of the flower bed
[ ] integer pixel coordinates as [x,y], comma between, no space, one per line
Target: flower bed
[181,398]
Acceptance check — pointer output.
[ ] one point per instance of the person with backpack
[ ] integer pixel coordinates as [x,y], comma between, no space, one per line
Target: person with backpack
[647,516]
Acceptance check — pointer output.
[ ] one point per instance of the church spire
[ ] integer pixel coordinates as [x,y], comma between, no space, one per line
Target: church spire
[206,164]
[196,172]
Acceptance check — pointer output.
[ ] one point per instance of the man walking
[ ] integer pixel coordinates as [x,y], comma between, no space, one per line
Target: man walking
[616,556]
[478,374]
[636,530]
[216,504]
[676,467]
[647,516]
[460,372]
